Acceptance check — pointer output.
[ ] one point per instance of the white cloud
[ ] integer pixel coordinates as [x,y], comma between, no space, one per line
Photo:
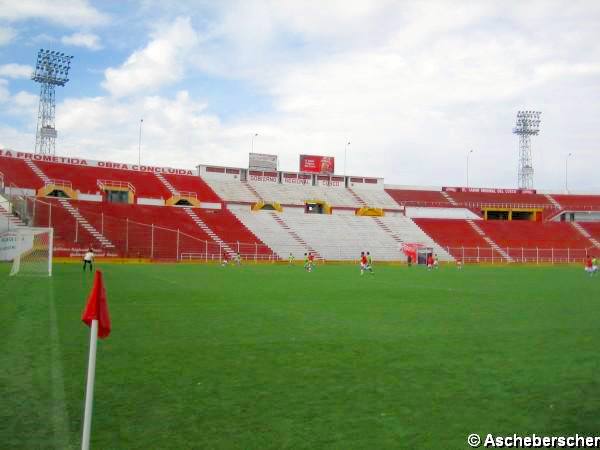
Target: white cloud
[87,40]
[413,86]
[161,62]
[15,70]
[4,93]
[177,130]
[6,35]
[21,104]
[70,13]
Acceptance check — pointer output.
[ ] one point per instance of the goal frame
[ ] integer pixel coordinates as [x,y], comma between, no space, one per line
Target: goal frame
[21,249]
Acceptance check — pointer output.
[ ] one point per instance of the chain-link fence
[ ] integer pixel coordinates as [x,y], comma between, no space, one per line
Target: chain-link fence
[75,231]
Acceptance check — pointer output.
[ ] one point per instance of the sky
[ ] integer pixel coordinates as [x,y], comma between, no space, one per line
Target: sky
[412,85]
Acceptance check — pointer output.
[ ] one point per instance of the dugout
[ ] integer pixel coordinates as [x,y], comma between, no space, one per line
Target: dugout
[117,191]
[58,189]
[370,212]
[317,207]
[267,206]
[422,254]
[183,199]
[495,213]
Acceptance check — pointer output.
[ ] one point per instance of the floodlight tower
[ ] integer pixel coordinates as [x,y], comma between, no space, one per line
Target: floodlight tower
[51,69]
[528,124]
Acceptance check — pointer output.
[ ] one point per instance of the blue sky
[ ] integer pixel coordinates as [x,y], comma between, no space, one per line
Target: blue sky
[412,85]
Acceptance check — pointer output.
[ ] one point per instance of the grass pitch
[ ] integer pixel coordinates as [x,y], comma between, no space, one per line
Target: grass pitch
[265,357]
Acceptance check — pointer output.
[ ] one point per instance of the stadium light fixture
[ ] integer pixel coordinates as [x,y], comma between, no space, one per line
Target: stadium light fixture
[527,125]
[567,172]
[468,156]
[345,155]
[140,144]
[51,70]
[252,144]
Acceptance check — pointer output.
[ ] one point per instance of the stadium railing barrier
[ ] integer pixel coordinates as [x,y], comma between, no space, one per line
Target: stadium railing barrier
[136,240]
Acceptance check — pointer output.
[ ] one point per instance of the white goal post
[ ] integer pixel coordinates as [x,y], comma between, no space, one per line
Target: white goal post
[30,250]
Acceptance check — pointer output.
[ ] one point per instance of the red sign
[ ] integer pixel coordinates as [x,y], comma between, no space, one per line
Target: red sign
[489,190]
[317,164]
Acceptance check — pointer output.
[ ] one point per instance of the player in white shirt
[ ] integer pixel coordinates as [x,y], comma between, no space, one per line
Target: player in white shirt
[88,258]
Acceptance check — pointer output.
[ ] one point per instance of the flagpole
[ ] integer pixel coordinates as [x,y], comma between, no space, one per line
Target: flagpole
[89,390]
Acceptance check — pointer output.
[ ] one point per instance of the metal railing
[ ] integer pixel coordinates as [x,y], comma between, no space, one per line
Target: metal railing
[107,184]
[186,194]
[134,239]
[59,183]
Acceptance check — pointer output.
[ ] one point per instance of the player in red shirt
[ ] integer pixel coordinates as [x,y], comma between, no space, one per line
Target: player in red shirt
[429,262]
[363,263]
[589,266]
[311,261]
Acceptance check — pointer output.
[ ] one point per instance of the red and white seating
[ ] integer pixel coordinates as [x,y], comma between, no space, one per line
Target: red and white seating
[224,222]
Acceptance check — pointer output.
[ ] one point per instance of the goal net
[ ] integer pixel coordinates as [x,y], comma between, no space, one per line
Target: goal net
[32,251]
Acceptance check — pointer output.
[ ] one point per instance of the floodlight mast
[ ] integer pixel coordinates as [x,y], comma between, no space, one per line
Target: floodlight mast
[51,69]
[527,125]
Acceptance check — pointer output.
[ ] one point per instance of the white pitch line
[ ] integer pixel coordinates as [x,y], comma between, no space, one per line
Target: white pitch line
[59,416]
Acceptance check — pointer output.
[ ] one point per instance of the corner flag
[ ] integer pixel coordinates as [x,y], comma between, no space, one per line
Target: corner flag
[97,308]
[95,316]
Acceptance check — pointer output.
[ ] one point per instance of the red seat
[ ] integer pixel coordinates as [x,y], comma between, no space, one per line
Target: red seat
[190,183]
[19,174]
[410,197]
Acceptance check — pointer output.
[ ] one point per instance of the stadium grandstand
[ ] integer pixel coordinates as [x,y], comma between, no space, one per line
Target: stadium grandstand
[211,212]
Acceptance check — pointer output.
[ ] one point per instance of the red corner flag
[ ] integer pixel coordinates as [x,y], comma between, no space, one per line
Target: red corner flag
[97,308]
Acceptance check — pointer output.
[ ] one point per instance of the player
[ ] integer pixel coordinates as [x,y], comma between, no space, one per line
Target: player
[594,264]
[429,261]
[225,261]
[436,264]
[88,259]
[459,264]
[238,259]
[363,263]
[589,266]
[370,264]
[291,259]
[311,261]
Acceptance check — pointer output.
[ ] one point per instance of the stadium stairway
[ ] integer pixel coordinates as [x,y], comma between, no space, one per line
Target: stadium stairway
[578,202]
[585,234]
[104,242]
[449,198]
[377,198]
[385,228]
[166,183]
[357,197]
[592,228]
[9,220]
[553,201]
[264,226]
[489,240]
[202,225]
[405,231]
[187,183]
[17,173]
[251,189]
[459,238]
[37,171]
[232,191]
[283,224]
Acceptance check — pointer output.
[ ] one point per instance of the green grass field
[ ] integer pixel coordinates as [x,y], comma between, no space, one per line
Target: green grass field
[271,357]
